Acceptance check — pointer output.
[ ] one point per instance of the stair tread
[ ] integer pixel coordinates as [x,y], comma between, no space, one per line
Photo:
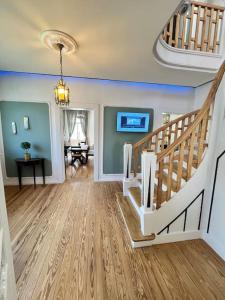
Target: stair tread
[173,182]
[184,170]
[132,220]
[194,162]
[136,194]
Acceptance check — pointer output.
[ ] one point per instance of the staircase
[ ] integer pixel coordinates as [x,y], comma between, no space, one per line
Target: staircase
[164,173]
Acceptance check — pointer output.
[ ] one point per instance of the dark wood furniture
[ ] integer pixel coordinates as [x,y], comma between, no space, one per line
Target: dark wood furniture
[79,153]
[33,162]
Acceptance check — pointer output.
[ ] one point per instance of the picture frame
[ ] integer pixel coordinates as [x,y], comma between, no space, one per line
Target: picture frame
[14,128]
[26,123]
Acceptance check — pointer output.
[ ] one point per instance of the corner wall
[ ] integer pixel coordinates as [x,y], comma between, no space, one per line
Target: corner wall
[213,228]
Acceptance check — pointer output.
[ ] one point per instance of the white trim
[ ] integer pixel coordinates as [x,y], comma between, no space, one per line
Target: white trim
[176,58]
[30,180]
[111,177]
[169,238]
[215,245]
[95,108]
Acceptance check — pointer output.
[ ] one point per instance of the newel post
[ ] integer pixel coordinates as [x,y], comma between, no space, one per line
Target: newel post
[127,160]
[148,162]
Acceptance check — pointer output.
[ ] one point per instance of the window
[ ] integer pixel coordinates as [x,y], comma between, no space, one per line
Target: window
[78,134]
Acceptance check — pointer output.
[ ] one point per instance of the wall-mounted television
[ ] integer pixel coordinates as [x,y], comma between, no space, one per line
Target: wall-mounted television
[132,122]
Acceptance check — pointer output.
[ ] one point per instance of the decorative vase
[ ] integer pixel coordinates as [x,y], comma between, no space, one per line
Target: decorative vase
[27,156]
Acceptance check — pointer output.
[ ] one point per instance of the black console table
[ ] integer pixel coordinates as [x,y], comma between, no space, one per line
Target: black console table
[33,162]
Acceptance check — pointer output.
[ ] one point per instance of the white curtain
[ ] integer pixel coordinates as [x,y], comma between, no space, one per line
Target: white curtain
[69,120]
[84,123]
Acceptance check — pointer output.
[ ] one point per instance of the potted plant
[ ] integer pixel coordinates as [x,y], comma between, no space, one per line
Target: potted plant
[26,146]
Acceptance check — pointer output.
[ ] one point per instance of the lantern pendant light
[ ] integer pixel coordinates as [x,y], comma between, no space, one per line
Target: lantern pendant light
[62,92]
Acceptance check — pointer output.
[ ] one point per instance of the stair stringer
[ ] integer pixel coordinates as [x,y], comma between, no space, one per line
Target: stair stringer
[155,221]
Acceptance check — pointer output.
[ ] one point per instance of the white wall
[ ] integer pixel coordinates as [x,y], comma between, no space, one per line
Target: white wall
[162,98]
[216,235]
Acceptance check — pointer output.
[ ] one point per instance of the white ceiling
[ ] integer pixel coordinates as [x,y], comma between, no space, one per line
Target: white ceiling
[115,38]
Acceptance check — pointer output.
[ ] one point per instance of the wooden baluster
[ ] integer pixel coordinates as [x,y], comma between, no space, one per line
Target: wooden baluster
[159,186]
[182,125]
[201,141]
[170,140]
[163,140]
[191,27]
[180,165]
[203,29]
[216,31]
[156,143]
[170,173]
[177,31]
[209,30]
[176,131]
[171,32]
[190,154]
[183,33]
[197,28]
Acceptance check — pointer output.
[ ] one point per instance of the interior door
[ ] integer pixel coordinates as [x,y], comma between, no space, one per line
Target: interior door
[7,276]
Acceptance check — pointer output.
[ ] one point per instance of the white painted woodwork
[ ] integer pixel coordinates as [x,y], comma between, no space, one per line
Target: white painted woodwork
[7,276]
[127,160]
[148,161]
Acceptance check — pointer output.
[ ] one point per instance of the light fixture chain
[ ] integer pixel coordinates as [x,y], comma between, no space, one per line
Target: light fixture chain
[61,72]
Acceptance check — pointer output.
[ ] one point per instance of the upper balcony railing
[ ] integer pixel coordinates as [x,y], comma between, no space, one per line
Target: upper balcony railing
[199,29]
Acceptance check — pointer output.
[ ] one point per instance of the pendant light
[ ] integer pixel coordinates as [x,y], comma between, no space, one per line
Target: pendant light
[62,92]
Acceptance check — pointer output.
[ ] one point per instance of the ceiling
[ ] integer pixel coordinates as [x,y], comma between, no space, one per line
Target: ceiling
[115,38]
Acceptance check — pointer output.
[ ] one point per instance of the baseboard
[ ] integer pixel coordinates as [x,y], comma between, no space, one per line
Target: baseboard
[30,180]
[111,177]
[169,238]
[217,247]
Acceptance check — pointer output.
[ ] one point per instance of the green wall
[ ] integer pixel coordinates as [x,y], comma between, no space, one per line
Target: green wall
[114,141]
[38,134]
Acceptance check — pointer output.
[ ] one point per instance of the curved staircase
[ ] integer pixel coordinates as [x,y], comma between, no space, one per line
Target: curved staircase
[164,173]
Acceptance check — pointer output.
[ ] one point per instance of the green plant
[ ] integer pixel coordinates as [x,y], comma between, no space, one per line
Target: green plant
[25,146]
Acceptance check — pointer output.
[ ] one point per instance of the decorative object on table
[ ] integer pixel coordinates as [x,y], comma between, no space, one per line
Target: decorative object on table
[26,146]
[26,123]
[65,44]
[14,128]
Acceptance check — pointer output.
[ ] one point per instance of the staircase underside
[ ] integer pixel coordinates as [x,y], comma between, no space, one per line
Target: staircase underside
[132,220]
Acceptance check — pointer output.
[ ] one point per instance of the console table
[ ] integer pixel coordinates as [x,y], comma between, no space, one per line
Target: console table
[33,162]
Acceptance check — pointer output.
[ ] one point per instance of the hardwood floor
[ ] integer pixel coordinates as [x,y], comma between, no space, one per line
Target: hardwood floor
[70,242]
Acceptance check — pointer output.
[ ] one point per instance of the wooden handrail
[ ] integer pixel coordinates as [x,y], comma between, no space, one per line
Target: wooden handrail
[209,5]
[209,100]
[199,30]
[162,128]
[162,137]
[188,148]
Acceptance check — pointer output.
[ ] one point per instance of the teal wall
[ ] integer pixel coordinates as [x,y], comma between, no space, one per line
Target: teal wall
[38,134]
[114,141]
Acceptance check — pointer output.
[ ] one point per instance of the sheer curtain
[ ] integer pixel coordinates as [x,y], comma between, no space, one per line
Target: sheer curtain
[84,123]
[70,118]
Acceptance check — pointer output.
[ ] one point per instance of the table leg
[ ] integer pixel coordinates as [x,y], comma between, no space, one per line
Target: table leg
[43,170]
[34,175]
[19,176]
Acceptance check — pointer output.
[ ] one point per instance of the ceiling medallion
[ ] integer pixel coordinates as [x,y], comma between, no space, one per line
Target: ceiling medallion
[64,44]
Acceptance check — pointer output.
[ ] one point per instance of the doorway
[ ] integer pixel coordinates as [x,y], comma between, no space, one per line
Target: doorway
[79,133]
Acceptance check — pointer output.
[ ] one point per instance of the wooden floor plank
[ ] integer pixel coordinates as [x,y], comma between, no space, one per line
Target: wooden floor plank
[70,243]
